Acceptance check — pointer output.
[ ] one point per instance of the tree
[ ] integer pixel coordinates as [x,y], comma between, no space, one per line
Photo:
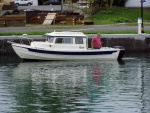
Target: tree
[110,2]
[99,5]
[119,3]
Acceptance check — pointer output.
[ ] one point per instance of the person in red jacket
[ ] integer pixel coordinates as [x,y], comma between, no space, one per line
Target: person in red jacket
[96,42]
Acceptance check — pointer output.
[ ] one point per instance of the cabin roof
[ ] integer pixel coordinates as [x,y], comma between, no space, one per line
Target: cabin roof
[66,34]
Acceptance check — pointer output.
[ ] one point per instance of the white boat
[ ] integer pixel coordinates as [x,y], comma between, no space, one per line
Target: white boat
[65,46]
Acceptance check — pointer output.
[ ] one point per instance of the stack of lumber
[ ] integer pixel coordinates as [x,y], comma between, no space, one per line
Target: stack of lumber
[72,19]
[60,19]
[49,19]
[39,19]
[15,20]
[2,22]
[84,22]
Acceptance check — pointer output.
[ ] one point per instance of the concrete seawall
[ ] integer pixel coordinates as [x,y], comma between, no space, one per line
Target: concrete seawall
[131,43]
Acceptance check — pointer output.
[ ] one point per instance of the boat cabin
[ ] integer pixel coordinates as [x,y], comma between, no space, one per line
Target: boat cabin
[63,41]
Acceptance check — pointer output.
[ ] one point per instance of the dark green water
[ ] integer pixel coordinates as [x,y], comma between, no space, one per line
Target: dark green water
[75,87]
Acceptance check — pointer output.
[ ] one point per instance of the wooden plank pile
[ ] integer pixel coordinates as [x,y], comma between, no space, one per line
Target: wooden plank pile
[72,19]
[39,19]
[49,19]
[69,19]
[13,20]
[61,19]
[2,22]
[84,22]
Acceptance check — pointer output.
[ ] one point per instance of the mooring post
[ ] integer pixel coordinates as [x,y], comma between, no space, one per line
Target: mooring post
[139,25]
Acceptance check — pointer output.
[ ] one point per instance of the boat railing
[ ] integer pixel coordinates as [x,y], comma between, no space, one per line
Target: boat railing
[29,40]
[22,40]
[24,36]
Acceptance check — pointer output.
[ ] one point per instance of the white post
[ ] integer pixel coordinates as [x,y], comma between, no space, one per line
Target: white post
[139,25]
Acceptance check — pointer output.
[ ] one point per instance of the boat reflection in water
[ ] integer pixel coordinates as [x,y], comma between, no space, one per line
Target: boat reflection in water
[58,86]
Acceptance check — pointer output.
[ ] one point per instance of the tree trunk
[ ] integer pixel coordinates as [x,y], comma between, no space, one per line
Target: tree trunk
[111,2]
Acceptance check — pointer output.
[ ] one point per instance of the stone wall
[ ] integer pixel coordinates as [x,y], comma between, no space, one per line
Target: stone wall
[131,43]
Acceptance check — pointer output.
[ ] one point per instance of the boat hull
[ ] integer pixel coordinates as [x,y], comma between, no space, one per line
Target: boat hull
[32,53]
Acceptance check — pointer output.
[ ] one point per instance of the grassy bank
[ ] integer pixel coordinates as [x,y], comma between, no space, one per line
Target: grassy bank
[86,32]
[120,15]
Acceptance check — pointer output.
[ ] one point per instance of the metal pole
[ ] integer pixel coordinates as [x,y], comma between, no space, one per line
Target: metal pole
[142,27]
[72,6]
[62,3]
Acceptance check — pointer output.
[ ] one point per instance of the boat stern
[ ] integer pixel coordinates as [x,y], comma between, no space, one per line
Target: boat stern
[121,53]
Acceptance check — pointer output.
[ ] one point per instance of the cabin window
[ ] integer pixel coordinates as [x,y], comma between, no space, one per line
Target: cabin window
[67,40]
[79,40]
[64,40]
[59,40]
[50,39]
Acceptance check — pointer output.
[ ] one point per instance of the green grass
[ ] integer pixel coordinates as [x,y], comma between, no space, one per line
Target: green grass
[120,15]
[86,32]
[20,33]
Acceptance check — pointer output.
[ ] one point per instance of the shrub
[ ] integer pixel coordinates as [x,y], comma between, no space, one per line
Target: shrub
[121,20]
[119,3]
[107,12]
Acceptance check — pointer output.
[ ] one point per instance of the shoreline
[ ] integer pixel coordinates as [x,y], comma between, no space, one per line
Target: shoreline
[131,42]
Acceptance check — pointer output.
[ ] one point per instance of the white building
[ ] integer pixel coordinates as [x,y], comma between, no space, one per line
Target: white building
[35,2]
[137,3]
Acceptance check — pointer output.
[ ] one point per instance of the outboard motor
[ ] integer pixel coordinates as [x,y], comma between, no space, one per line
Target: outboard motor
[122,51]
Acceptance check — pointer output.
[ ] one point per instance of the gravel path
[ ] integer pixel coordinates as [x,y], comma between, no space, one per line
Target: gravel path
[49,28]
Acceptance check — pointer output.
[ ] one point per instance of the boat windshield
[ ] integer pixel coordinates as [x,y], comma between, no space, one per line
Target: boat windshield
[50,39]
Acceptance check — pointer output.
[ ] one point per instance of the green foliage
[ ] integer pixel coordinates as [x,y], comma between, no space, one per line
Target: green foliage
[120,15]
[120,3]
[113,32]
[107,12]
[109,2]
[125,8]
[20,33]
[86,32]
[120,20]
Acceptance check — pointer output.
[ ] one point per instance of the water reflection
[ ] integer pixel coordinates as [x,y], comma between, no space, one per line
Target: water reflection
[9,60]
[53,86]
[96,75]
[76,87]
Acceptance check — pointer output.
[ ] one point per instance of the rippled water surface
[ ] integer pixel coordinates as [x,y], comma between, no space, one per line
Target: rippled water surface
[75,87]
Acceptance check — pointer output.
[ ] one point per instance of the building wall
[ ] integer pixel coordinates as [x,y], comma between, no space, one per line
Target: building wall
[35,2]
[137,3]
